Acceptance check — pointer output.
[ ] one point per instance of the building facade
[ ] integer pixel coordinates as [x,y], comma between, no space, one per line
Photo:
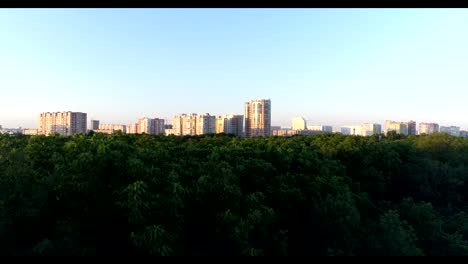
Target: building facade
[369,129]
[320,128]
[94,124]
[205,124]
[428,128]
[30,132]
[151,126]
[230,124]
[451,130]
[63,123]
[258,118]
[298,123]
[411,127]
[398,127]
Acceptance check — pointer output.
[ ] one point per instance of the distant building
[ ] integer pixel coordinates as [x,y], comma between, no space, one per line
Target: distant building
[184,124]
[230,124]
[64,123]
[151,126]
[167,126]
[169,131]
[345,130]
[299,123]
[30,132]
[355,130]
[320,128]
[132,129]
[94,124]
[411,127]
[258,118]
[463,133]
[284,132]
[398,127]
[370,129]
[366,129]
[111,128]
[193,124]
[205,124]
[451,130]
[428,128]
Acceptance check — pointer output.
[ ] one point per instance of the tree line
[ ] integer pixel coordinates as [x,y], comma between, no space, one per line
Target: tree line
[328,194]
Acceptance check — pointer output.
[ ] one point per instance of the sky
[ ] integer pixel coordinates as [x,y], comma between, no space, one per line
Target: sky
[331,66]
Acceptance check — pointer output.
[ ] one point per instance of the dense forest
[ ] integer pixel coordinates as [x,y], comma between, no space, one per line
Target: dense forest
[327,194]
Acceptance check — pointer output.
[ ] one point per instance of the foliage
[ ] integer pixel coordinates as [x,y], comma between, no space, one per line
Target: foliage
[326,194]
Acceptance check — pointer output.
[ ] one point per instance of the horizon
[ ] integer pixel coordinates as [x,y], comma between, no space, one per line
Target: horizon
[331,66]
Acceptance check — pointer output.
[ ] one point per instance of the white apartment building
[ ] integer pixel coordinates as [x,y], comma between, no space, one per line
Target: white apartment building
[205,124]
[428,128]
[113,128]
[152,126]
[298,123]
[230,124]
[369,129]
[30,132]
[398,127]
[451,130]
[320,128]
[64,123]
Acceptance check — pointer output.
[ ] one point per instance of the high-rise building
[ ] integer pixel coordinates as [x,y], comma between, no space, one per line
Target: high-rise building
[411,127]
[258,118]
[451,130]
[184,124]
[132,129]
[234,125]
[298,123]
[205,124]
[152,126]
[64,123]
[219,127]
[94,124]
[230,124]
[398,127]
[428,128]
[369,129]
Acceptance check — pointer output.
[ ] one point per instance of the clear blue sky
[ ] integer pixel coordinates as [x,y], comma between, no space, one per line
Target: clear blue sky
[331,66]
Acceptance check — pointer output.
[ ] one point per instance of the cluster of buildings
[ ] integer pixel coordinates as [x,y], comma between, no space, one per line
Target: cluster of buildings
[255,122]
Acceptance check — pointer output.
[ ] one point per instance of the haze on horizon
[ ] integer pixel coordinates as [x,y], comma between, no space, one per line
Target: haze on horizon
[330,66]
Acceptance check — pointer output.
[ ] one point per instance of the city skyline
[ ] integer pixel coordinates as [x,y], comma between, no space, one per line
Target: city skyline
[331,66]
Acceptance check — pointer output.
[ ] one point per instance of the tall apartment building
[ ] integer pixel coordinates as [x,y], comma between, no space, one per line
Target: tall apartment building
[184,125]
[258,118]
[369,129]
[132,129]
[94,124]
[205,124]
[298,123]
[64,123]
[398,127]
[152,126]
[451,130]
[230,124]
[428,128]
[411,127]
